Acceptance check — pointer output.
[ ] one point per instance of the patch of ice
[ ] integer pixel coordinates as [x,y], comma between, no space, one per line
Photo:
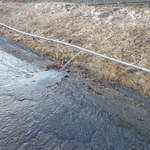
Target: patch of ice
[97,14]
[109,19]
[146,11]
[132,15]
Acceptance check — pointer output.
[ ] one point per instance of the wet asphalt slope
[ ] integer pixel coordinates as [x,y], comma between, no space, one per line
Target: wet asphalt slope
[49,110]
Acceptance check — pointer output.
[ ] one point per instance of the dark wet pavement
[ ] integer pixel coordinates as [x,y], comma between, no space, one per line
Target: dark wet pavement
[49,110]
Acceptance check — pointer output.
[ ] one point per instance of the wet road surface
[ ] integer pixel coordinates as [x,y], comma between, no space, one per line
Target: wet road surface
[49,110]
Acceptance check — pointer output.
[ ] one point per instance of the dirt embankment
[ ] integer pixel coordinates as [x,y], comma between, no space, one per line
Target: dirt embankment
[119,32]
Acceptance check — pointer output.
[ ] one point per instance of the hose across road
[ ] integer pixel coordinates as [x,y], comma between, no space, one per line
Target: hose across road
[78,48]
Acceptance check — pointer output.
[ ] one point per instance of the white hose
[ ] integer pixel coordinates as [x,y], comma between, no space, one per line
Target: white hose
[80,48]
